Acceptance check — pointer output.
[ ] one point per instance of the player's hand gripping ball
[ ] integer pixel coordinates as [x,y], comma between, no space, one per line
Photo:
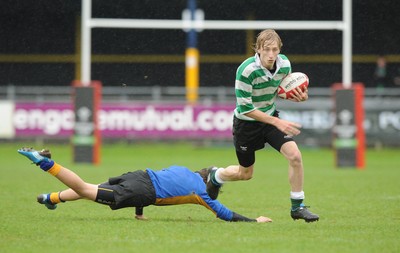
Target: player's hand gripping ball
[291,82]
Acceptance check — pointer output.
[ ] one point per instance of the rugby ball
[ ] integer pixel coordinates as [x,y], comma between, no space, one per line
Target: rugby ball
[291,82]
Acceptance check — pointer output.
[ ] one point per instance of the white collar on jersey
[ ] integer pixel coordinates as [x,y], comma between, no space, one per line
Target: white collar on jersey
[278,63]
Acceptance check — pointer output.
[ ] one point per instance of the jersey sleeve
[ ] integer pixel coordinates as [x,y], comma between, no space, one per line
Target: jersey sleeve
[217,208]
[223,212]
[243,93]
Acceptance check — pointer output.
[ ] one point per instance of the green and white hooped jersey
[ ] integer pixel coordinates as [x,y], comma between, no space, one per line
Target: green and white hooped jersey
[256,87]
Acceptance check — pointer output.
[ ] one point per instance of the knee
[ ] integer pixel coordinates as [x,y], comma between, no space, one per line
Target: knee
[88,191]
[291,152]
[245,173]
[295,157]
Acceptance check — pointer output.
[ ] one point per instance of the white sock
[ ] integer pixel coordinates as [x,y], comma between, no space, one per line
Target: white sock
[297,195]
[217,178]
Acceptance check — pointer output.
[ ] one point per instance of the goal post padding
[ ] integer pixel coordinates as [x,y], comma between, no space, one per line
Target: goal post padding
[86,140]
[348,131]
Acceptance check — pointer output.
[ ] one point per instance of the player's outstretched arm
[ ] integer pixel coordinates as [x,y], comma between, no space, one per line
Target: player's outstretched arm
[237,217]
[226,214]
[288,127]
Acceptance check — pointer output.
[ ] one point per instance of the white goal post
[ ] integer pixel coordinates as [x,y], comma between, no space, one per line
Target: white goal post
[88,23]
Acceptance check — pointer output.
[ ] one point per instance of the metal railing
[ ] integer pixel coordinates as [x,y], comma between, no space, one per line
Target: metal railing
[157,94]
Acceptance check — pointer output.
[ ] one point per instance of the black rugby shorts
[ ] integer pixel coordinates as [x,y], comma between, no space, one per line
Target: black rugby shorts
[132,189]
[249,136]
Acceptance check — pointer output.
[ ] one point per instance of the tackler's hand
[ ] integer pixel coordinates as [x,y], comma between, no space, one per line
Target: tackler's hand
[140,217]
[263,219]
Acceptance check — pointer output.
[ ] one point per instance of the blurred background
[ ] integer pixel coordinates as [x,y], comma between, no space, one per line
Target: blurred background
[40,41]
[40,57]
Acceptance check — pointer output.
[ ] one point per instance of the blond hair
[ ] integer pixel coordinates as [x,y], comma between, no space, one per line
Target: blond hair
[266,37]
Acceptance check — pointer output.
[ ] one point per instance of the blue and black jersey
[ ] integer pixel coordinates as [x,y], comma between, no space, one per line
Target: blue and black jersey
[178,185]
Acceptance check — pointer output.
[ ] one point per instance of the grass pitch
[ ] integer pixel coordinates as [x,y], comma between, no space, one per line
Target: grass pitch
[359,210]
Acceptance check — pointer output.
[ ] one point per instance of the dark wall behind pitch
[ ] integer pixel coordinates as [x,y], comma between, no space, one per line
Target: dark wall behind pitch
[43,27]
